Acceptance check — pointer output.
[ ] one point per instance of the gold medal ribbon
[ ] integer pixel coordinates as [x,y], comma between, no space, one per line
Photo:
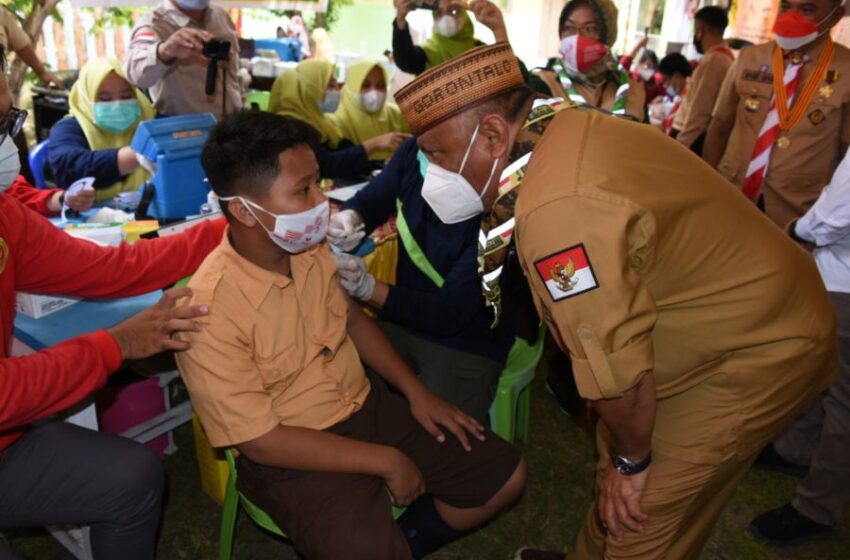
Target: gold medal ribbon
[788,120]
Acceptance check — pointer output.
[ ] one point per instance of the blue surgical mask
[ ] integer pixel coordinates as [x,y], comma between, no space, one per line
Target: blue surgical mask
[331,101]
[423,162]
[192,4]
[117,116]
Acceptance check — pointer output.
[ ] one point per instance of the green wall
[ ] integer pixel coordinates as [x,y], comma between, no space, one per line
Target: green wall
[365,29]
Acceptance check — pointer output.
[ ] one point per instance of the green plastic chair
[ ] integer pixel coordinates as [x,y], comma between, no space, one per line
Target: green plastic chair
[230,508]
[258,98]
[509,411]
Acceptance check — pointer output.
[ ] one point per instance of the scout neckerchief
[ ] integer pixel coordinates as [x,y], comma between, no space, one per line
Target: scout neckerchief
[789,119]
[497,226]
[621,97]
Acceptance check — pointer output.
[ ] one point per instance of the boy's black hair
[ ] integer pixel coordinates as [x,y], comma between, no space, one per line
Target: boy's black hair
[714,18]
[241,154]
[675,63]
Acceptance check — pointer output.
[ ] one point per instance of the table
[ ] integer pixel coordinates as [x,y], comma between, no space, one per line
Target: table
[31,335]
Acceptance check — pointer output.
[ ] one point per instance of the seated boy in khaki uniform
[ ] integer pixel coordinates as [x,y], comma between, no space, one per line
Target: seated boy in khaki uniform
[325,447]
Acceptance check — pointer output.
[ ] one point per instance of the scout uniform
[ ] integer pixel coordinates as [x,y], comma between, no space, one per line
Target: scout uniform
[178,88]
[635,271]
[695,112]
[803,160]
[275,350]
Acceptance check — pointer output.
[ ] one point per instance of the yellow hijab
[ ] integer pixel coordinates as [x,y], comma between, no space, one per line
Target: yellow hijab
[358,125]
[297,93]
[81,102]
[438,49]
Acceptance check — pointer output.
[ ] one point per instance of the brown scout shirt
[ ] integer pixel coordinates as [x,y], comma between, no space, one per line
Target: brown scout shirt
[702,93]
[672,271]
[178,88]
[797,174]
[273,350]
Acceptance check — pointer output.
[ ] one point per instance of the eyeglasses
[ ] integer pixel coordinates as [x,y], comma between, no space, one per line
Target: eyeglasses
[12,123]
[590,29]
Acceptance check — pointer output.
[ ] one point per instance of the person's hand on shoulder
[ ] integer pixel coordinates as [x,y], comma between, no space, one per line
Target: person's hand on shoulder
[150,332]
[185,44]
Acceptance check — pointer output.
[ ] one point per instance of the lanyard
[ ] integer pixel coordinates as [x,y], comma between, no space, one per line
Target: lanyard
[414,251]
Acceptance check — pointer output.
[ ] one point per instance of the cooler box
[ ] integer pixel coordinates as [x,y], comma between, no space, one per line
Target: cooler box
[286,49]
[119,408]
[174,144]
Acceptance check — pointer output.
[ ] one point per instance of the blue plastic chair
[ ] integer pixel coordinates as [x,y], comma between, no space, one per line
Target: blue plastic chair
[38,160]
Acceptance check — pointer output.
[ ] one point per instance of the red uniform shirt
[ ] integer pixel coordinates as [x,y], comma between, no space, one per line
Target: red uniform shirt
[37,257]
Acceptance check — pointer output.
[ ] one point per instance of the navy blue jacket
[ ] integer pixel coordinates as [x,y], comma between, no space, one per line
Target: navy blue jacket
[349,162]
[454,315]
[71,158]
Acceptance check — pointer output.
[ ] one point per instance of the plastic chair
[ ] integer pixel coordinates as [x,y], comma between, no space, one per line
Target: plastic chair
[37,160]
[230,508]
[255,99]
[509,411]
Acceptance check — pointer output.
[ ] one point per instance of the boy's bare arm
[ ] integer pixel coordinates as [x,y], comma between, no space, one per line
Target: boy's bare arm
[428,409]
[315,450]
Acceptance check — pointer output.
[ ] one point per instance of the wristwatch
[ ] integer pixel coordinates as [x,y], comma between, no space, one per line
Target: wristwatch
[628,467]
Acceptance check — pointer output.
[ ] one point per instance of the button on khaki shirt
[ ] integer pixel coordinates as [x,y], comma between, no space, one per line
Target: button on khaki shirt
[178,88]
[797,174]
[273,350]
[702,93]
[12,36]
[643,266]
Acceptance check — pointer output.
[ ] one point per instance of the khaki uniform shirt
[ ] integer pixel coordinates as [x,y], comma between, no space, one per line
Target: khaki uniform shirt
[178,88]
[702,93]
[637,266]
[12,36]
[273,350]
[797,174]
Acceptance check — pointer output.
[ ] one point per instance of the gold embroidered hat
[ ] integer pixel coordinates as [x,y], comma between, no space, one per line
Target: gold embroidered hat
[450,88]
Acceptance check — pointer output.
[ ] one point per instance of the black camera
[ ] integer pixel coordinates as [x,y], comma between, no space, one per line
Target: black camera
[215,50]
[426,5]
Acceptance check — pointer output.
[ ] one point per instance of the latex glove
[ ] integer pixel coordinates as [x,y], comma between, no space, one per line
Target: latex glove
[354,277]
[148,165]
[346,230]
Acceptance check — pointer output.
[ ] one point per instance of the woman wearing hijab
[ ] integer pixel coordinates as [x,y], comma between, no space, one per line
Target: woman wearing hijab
[587,71]
[453,32]
[94,140]
[363,111]
[301,94]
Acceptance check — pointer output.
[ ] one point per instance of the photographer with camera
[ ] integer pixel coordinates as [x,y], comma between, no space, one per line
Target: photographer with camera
[185,52]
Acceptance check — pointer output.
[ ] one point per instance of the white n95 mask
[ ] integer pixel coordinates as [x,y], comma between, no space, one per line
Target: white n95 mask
[450,195]
[294,233]
[10,162]
[373,100]
[447,26]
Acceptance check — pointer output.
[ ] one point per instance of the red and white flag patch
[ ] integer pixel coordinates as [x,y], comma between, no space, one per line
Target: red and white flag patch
[567,273]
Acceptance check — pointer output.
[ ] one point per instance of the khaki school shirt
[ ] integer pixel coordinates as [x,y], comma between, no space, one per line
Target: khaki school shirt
[273,350]
[797,174]
[639,266]
[702,94]
[178,88]
[12,36]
